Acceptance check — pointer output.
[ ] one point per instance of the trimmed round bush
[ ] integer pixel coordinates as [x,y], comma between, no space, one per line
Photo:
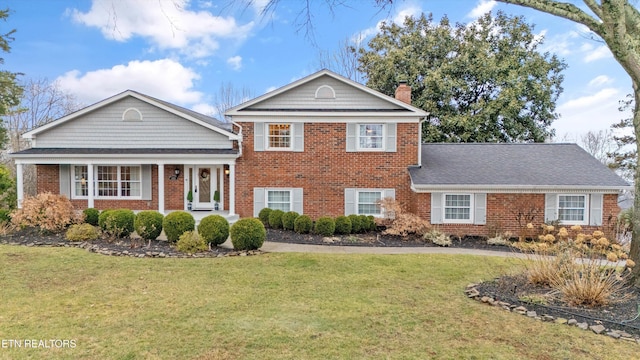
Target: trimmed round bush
[372,223]
[343,225]
[214,229]
[191,242]
[5,215]
[102,218]
[119,223]
[176,224]
[288,220]
[82,232]
[275,219]
[148,224]
[364,223]
[91,216]
[325,226]
[263,215]
[356,223]
[248,234]
[303,224]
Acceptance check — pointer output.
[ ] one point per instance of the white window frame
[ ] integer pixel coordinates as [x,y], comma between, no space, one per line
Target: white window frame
[119,182]
[266,197]
[78,179]
[360,191]
[383,136]
[470,220]
[585,214]
[267,137]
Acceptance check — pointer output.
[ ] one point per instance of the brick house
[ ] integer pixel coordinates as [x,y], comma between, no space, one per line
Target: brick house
[322,145]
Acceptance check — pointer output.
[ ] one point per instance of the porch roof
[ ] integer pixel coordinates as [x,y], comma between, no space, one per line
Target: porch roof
[154,155]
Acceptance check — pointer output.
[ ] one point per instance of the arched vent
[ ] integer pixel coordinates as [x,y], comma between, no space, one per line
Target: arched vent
[132,114]
[325,92]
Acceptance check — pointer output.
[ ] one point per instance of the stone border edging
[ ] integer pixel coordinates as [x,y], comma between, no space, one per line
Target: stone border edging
[598,328]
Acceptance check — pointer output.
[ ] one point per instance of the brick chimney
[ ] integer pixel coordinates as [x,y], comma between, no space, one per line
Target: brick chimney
[403,92]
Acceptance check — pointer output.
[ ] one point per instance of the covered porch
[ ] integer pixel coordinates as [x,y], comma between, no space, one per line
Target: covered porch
[137,179]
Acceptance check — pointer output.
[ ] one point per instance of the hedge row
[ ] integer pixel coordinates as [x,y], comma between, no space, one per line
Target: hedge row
[326,226]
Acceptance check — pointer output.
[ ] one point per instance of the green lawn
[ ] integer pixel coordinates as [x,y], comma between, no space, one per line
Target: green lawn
[273,306]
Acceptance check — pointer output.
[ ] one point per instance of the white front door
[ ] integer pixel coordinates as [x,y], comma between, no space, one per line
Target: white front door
[204,186]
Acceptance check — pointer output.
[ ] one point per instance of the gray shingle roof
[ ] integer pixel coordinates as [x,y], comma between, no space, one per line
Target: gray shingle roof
[481,164]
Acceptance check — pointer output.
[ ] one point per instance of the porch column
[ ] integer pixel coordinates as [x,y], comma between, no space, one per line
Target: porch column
[90,186]
[19,184]
[232,189]
[161,188]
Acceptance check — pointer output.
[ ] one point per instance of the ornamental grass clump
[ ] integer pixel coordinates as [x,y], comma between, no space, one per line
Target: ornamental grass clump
[191,242]
[437,237]
[214,229]
[176,224]
[148,224]
[47,212]
[248,234]
[82,232]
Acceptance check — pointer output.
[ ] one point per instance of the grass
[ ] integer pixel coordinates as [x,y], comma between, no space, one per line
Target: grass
[273,306]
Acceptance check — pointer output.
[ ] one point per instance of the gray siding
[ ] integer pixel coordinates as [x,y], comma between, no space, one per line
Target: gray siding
[104,128]
[303,97]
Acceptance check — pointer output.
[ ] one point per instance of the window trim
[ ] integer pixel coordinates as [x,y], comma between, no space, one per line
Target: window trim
[383,148]
[266,196]
[357,201]
[119,182]
[585,214]
[458,221]
[267,144]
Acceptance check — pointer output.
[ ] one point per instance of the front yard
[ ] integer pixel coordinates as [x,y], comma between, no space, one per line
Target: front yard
[273,306]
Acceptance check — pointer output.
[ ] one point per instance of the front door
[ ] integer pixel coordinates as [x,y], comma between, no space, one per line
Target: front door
[204,186]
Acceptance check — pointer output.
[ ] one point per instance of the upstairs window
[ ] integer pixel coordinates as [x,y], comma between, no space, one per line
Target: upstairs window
[279,136]
[370,137]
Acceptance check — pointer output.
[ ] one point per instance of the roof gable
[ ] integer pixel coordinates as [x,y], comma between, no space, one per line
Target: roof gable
[186,114]
[325,91]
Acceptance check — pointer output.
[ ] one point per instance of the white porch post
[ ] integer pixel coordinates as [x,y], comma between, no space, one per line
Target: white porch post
[221,189]
[90,186]
[20,184]
[161,188]
[232,189]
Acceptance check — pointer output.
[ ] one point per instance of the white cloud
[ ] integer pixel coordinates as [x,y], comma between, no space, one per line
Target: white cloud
[589,113]
[590,100]
[600,80]
[204,108]
[167,24]
[483,7]
[235,62]
[601,52]
[164,79]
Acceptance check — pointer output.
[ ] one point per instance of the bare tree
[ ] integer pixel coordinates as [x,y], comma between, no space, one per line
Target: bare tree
[41,102]
[599,144]
[344,60]
[228,97]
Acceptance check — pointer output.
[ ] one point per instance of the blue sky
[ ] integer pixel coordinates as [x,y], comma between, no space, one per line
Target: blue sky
[182,51]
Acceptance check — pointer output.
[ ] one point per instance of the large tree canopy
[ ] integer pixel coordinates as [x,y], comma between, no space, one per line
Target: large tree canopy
[481,82]
[10,91]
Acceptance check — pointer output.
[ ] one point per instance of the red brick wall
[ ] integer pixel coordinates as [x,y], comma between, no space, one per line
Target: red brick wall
[325,168]
[503,212]
[48,181]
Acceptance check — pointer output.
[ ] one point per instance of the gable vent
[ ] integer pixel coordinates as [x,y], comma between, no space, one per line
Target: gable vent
[132,114]
[325,92]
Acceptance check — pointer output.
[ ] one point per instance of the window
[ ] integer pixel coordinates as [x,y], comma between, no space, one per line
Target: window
[572,209]
[80,178]
[110,181]
[368,202]
[457,208]
[279,200]
[370,137]
[279,136]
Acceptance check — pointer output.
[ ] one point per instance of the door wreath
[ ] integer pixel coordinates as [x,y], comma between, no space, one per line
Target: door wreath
[204,174]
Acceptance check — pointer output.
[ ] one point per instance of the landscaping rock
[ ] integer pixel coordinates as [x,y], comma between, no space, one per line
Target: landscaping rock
[531,314]
[598,329]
